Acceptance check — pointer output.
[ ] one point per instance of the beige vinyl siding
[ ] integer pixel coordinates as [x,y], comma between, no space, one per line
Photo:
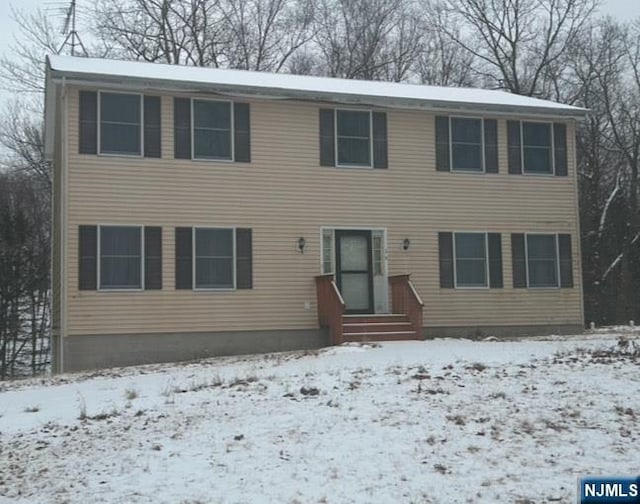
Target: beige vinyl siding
[284,194]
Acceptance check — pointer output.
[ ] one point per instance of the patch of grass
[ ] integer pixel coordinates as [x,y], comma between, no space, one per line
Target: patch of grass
[82,414]
[131,394]
[457,419]
[32,409]
[476,366]
[527,427]
[103,415]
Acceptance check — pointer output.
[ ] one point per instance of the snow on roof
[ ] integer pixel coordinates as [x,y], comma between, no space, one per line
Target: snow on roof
[305,87]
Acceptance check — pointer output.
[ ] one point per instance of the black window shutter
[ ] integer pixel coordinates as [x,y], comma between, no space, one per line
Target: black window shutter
[88,134]
[513,146]
[152,257]
[495,261]
[560,148]
[380,140]
[152,141]
[491,146]
[443,163]
[566,265]
[184,258]
[244,259]
[519,261]
[182,128]
[87,257]
[445,248]
[242,132]
[327,138]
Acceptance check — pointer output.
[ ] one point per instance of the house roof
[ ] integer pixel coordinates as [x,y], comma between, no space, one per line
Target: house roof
[284,86]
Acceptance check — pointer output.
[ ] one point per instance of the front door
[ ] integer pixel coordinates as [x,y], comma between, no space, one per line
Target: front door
[354,271]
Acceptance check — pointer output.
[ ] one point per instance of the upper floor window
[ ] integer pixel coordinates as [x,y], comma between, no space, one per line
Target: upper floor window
[466,144]
[214,130]
[537,147]
[353,138]
[537,152]
[212,127]
[353,134]
[120,124]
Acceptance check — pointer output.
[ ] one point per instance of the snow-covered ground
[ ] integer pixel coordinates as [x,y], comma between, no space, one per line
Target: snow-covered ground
[435,421]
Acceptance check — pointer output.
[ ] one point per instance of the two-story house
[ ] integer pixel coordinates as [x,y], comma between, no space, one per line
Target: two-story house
[203,212]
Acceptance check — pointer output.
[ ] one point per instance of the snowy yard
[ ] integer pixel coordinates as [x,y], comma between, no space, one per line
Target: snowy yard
[435,421]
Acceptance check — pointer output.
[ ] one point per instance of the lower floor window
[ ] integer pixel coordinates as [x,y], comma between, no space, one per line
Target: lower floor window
[214,263]
[542,260]
[120,257]
[470,251]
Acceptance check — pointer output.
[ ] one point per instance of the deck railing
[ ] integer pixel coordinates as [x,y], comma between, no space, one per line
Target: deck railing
[405,299]
[330,307]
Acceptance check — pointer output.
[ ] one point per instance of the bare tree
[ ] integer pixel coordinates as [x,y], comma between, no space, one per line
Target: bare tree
[515,42]
[442,61]
[264,34]
[358,39]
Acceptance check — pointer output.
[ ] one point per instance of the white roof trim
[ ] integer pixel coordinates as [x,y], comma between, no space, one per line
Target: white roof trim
[197,79]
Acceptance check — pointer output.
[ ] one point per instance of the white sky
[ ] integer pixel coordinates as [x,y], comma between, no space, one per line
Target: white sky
[621,9]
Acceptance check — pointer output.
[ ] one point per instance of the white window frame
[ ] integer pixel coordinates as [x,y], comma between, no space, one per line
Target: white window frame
[553,150]
[195,288]
[526,257]
[482,153]
[332,233]
[486,262]
[99,125]
[232,130]
[335,138]
[99,261]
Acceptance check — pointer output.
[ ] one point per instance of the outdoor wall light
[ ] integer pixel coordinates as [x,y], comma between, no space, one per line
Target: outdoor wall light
[301,243]
[405,244]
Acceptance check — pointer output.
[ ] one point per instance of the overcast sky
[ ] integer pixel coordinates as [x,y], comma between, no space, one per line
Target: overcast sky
[621,9]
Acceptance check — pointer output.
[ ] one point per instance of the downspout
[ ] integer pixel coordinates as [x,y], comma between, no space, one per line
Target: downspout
[577,215]
[63,230]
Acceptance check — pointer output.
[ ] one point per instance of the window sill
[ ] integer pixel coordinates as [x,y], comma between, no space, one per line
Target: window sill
[120,155]
[213,289]
[354,167]
[212,160]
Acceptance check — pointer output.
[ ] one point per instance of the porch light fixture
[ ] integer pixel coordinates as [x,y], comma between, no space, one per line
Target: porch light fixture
[405,244]
[301,243]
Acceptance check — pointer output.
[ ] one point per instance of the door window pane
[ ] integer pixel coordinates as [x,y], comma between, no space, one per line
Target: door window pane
[120,124]
[214,258]
[471,259]
[120,257]
[211,129]
[536,147]
[466,144]
[354,138]
[354,254]
[542,260]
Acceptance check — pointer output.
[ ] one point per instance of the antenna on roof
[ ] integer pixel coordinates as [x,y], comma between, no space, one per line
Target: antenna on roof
[73,38]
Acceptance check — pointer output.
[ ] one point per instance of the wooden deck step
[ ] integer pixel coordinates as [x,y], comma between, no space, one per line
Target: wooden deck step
[377,327]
